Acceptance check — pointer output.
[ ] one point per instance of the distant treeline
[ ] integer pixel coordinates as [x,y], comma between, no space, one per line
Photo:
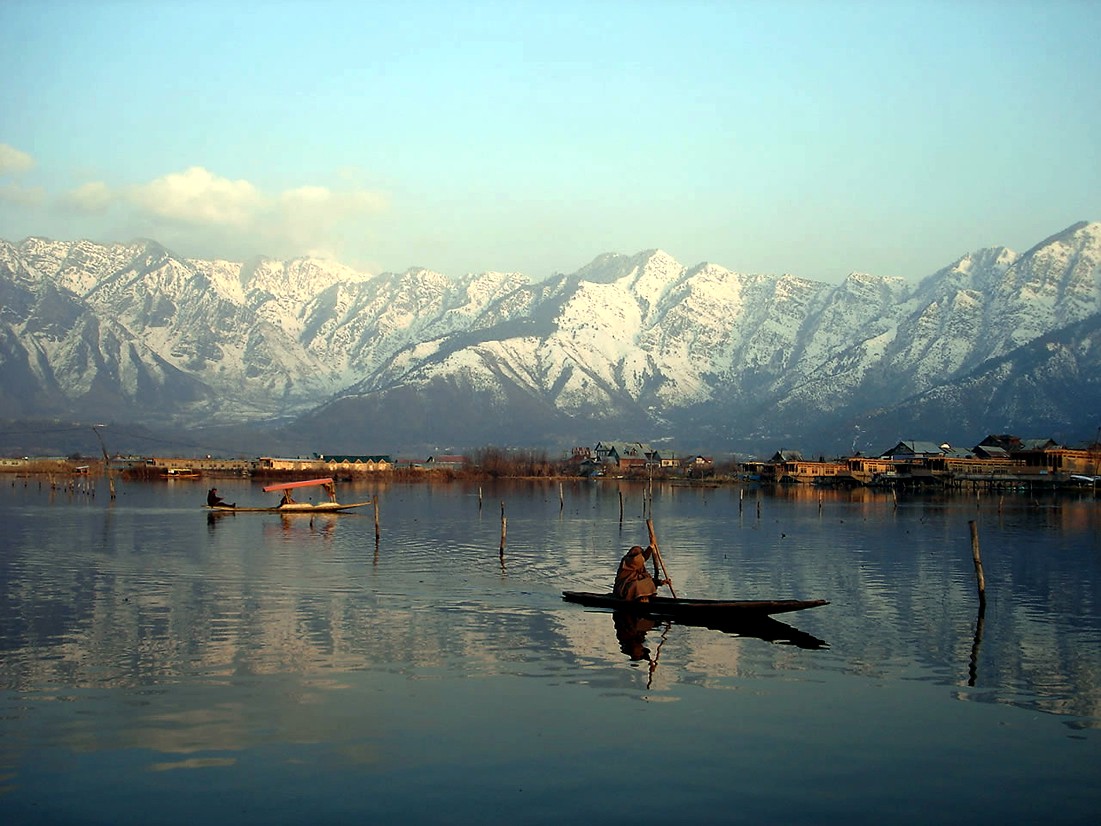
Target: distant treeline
[497,462]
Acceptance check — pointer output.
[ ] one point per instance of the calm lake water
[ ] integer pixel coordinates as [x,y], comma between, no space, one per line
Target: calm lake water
[162,665]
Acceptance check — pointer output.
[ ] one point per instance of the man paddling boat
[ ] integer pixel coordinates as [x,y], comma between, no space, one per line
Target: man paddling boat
[632,580]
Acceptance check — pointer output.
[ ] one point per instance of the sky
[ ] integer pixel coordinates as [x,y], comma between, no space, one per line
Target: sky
[812,137]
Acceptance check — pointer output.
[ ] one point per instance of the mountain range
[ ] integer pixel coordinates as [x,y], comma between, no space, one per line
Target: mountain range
[311,355]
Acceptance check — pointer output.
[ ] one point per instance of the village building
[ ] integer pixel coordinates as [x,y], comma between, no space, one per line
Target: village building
[346,464]
[182,467]
[773,469]
[446,462]
[1062,461]
[296,465]
[624,458]
[908,451]
[696,466]
[867,470]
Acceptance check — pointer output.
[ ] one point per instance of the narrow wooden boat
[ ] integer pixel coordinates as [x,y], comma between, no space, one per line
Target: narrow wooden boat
[703,611]
[297,507]
[289,507]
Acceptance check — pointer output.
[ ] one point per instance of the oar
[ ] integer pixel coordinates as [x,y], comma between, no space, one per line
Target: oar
[657,554]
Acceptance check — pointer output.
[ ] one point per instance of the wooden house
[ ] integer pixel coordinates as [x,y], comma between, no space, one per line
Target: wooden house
[624,456]
[868,470]
[356,464]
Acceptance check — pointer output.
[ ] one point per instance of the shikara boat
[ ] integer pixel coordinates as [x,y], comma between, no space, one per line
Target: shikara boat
[327,484]
[742,618]
[697,610]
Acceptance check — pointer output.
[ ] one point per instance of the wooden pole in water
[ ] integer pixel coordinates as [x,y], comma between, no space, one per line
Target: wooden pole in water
[504,531]
[621,506]
[375,503]
[479,497]
[106,460]
[977,557]
[561,497]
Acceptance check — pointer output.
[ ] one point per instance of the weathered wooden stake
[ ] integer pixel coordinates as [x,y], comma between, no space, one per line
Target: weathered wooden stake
[741,496]
[758,508]
[973,663]
[374,499]
[657,555]
[479,497]
[620,507]
[977,557]
[561,497]
[504,531]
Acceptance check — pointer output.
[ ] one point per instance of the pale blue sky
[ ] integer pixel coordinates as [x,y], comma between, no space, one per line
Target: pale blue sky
[815,138]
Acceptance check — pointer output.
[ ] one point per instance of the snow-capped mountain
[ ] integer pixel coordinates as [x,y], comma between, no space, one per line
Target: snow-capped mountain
[627,347]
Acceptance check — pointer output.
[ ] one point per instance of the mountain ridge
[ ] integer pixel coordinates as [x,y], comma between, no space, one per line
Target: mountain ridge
[638,345]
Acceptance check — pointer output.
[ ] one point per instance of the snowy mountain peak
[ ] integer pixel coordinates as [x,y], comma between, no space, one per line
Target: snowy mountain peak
[637,342]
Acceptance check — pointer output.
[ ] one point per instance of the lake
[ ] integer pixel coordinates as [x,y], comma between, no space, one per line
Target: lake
[159,664]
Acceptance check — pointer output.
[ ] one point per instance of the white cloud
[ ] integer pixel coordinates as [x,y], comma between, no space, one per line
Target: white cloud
[198,197]
[203,214]
[13,161]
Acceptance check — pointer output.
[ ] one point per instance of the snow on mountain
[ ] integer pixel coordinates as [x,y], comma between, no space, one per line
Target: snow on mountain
[637,342]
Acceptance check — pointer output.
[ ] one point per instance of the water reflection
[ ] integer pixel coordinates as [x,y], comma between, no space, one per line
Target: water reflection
[143,646]
[631,630]
[147,590]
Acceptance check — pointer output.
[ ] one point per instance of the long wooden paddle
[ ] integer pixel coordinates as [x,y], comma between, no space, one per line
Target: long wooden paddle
[657,555]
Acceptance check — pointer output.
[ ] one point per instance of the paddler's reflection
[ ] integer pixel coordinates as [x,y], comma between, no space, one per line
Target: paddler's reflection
[630,630]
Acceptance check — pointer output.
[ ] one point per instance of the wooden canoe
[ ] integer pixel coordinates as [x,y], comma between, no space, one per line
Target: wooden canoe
[296,507]
[693,610]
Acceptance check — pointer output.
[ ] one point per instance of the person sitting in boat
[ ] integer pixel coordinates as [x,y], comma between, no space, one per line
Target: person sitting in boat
[287,498]
[632,580]
[330,489]
[213,500]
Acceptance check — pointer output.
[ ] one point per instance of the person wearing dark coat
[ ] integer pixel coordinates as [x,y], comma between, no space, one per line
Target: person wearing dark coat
[632,580]
[213,500]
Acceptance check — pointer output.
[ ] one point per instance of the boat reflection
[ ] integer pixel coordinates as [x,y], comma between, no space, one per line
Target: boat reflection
[631,630]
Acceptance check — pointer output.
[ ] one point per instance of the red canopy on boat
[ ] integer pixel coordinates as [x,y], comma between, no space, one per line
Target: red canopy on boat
[305,483]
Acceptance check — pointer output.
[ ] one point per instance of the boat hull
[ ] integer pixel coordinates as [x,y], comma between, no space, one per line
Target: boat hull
[699,610]
[296,507]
